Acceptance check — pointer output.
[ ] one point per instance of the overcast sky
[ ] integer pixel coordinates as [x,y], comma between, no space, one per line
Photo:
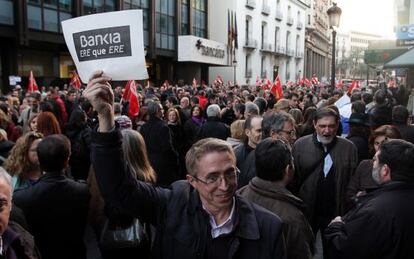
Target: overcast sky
[371,16]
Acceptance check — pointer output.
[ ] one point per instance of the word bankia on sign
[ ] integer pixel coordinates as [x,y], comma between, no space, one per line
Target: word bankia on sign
[103,43]
[111,42]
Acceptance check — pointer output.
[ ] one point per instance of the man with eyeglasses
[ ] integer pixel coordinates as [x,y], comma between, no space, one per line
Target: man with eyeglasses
[324,164]
[277,125]
[198,218]
[381,225]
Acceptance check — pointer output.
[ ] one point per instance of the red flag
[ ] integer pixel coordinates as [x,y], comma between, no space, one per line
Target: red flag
[340,84]
[131,94]
[32,83]
[127,91]
[315,80]
[259,81]
[194,83]
[307,82]
[355,84]
[276,89]
[75,81]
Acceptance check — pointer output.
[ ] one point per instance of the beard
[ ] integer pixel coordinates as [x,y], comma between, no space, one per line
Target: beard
[376,174]
[325,139]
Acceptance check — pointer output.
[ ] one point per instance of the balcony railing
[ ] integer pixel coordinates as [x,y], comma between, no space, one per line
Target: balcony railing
[267,47]
[279,15]
[280,50]
[248,73]
[299,25]
[299,54]
[250,44]
[251,4]
[290,52]
[289,21]
[265,9]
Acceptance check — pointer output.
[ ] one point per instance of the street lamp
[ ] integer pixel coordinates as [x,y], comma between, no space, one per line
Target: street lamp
[334,14]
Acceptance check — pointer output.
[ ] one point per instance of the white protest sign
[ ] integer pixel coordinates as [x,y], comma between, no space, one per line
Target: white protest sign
[112,42]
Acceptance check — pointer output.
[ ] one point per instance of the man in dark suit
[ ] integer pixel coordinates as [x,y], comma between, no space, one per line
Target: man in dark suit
[55,207]
[401,121]
[161,153]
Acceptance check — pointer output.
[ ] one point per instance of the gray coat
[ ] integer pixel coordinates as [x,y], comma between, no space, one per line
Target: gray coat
[308,156]
[296,229]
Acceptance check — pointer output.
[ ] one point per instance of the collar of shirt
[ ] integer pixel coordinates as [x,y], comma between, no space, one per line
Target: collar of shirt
[328,162]
[224,228]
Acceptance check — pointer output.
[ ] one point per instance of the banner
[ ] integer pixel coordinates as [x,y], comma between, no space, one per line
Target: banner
[112,42]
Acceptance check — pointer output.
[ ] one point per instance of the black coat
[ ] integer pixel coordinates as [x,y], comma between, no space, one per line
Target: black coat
[246,162]
[380,226]
[56,209]
[191,129]
[214,128]
[182,225]
[160,149]
[407,132]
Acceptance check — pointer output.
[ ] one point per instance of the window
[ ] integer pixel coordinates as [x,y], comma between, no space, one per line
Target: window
[184,17]
[288,40]
[248,66]
[249,31]
[277,38]
[309,19]
[98,6]
[297,44]
[47,15]
[164,24]
[264,34]
[6,12]
[288,69]
[145,6]
[262,67]
[199,15]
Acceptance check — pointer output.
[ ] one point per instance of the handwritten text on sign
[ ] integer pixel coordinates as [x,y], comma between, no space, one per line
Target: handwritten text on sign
[103,43]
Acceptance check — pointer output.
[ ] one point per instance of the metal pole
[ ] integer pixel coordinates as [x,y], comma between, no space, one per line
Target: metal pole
[333,59]
[234,72]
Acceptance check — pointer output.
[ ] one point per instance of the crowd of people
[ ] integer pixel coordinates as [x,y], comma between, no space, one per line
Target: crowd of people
[207,171]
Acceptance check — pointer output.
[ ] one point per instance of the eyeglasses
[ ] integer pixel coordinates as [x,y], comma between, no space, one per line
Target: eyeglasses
[215,179]
[292,133]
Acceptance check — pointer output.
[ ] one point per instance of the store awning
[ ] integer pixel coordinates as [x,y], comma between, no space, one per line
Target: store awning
[405,60]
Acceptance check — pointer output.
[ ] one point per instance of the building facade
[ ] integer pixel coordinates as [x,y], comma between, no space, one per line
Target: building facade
[318,52]
[350,49]
[270,39]
[31,38]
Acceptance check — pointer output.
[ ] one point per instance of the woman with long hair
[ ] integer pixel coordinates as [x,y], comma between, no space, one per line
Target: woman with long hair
[32,122]
[307,127]
[22,162]
[362,179]
[192,125]
[136,157]
[47,124]
[101,213]
[79,134]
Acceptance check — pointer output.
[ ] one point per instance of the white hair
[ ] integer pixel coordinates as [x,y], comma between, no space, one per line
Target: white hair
[213,110]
